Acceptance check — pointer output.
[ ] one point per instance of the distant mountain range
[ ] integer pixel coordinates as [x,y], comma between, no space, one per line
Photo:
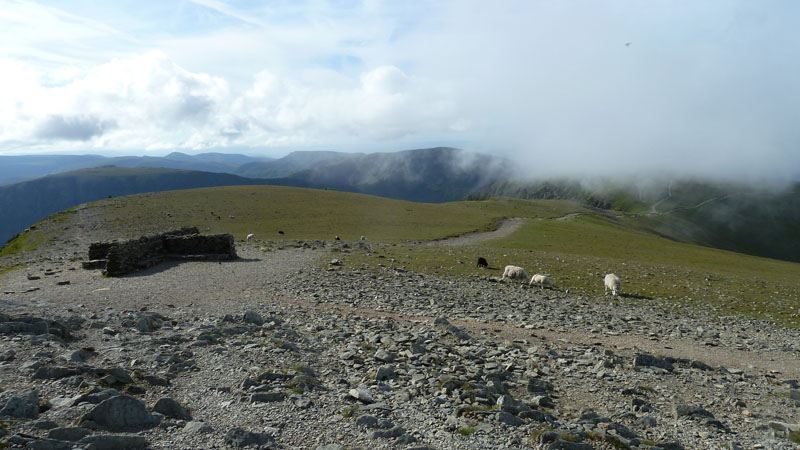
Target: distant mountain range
[746,219]
[15,169]
[433,175]
[427,175]
[23,204]
[286,166]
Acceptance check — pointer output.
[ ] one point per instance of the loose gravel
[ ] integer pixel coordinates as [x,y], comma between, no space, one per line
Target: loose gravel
[280,349]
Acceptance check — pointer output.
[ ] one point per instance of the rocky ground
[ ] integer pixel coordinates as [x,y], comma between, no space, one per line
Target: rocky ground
[279,349]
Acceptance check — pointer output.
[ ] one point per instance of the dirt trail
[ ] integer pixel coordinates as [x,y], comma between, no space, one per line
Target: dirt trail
[506,227]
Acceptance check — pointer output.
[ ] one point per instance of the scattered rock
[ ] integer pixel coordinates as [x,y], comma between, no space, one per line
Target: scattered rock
[119,414]
[54,373]
[645,360]
[171,408]
[24,406]
[385,373]
[241,438]
[114,442]
[254,318]
[692,411]
[195,427]
[361,395]
[71,434]
[267,397]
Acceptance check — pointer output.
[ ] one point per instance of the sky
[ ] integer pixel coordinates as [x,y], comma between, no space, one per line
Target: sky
[601,86]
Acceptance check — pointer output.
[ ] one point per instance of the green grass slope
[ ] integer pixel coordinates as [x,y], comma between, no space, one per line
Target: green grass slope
[303,213]
[757,220]
[579,251]
[573,244]
[24,203]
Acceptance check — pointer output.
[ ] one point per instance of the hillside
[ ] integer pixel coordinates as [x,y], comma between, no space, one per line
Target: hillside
[731,216]
[741,218]
[24,203]
[582,244]
[428,175]
[286,166]
[15,169]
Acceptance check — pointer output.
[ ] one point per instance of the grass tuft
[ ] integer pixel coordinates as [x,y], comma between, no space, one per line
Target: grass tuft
[349,411]
[466,431]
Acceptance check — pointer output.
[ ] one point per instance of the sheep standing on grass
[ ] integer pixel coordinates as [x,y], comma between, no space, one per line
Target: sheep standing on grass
[613,283]
[250,237]
[542,280]
[515,273]
[482,263]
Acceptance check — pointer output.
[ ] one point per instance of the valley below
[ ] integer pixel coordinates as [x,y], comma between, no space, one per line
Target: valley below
[298,345]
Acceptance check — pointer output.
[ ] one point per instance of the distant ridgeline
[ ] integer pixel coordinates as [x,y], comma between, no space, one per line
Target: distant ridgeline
[23,204]
[428,175]
[734,217]
[546,190]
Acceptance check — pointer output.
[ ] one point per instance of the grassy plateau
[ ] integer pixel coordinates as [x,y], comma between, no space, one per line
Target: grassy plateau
[575,245]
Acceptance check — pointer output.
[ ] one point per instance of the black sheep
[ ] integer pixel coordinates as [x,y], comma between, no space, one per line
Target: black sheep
[482,262]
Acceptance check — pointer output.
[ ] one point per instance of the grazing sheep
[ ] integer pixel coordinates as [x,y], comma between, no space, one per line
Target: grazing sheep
[250,237]
[482,263]
[515,273]
[337,238]
[542,280]
[280,232]
[363,238]
[612,282]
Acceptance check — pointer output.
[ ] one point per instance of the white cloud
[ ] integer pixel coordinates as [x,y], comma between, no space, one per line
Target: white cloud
[707,86]
[145,101]
[148,102]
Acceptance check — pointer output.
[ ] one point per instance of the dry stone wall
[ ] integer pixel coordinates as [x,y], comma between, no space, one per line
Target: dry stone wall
[121,257]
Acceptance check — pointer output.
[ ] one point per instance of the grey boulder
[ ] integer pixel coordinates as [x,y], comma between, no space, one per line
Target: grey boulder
[240,438]
[171,408]
[121,413]
[25,406]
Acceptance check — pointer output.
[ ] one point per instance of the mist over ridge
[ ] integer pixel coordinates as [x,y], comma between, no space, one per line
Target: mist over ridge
[561,88]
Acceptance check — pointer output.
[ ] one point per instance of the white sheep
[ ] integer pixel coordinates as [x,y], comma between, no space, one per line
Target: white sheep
[542,280]
[250,237]
[363,238]
[612,282]
[515,273]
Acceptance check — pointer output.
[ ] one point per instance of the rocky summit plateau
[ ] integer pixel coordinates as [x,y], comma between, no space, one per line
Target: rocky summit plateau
[291,347]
